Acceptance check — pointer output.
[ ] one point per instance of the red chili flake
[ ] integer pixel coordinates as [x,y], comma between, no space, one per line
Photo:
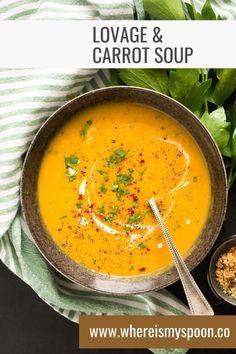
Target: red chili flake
[148,249]
[80,197]
[135,197]
[59,229]
[140,154]
[142,161]
[97,229]
[131,210]
[83,173]
[142,269]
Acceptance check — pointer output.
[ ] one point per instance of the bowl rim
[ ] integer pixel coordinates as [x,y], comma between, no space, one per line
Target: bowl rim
[82,272]
[216,289]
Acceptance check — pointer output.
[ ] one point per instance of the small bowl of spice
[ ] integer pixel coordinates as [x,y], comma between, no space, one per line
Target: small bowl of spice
[222,271]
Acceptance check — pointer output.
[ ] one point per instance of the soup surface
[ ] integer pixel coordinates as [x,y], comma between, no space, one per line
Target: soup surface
[97,175]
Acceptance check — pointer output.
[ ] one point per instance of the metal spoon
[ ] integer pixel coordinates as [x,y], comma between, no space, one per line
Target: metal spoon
[197,303]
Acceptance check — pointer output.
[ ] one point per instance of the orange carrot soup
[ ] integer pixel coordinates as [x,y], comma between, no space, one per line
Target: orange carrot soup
[97,175]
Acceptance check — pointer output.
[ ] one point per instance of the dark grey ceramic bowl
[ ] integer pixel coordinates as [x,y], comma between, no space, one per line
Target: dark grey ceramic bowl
[87,277]
[221,248]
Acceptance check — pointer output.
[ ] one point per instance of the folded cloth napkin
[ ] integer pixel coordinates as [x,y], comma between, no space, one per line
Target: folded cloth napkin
[27,98]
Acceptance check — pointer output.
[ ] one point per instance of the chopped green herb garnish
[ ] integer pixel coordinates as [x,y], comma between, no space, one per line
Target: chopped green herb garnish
[121,153]
[115,187]
[62,217]
[127,228]
[112,214]
[101,209]
[120,192]
[194,178]
[104,174]
[131,267]
[118,156]
[84,130]
[124,178]
[103,188]
[114,210]
[71,160]
[141,245]
[71,163]
[79,205]
[136,218]
[142,172]
[135,205]
[169,273]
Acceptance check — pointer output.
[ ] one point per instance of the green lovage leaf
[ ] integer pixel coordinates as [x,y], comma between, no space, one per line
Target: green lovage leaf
[233,147]
[225,86]
[197,95]
[232,118]
[219,128]
[164,9]
[191,11]
[181,81]
[207,12]
[154,79]
[184,86]
[115,79]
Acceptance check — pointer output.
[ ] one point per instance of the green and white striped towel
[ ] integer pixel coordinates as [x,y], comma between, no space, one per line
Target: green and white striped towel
[27,98]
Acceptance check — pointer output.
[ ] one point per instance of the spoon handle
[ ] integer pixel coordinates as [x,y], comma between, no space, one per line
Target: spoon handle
[197,303]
